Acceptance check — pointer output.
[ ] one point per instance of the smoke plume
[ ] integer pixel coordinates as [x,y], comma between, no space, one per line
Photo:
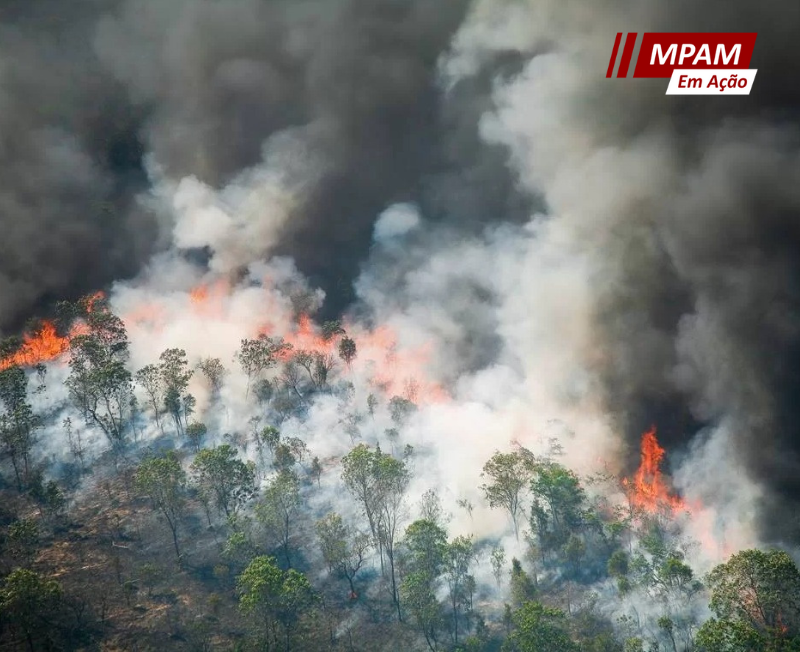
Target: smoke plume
[555,255]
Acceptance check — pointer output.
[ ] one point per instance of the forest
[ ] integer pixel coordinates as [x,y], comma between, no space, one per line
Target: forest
[135,517]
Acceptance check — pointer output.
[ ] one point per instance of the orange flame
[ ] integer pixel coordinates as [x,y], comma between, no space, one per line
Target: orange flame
[306,337]
[41,346]
[648,490]
[45,344]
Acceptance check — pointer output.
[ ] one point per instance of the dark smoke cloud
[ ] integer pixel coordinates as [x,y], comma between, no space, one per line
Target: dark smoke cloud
[70,160]
[703,319]
[359,77]
[200,86]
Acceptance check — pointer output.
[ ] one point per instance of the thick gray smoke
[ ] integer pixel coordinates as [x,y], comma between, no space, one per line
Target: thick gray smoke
[70,159]
[87,88]
[688,207]
[658,278]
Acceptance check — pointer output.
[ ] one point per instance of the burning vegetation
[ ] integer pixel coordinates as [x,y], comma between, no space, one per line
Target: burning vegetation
[387,284]
[648,490]
[179,520]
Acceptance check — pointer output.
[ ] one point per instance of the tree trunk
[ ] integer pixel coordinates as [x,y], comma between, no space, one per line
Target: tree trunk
[175,543]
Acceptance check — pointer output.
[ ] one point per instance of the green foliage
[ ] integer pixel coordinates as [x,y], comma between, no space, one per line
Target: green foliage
[274,597]
[508,474]
[18,422]
[221,477]
[378,482]
[239,548]
[278,508]
[618,564]
[426,544]
[151,380]
[214,373]
[498,560]
[344,549]
[347,350]
[558,507]
[175,373]
[538,628]
[400,409]
[99,382]
[460,584]
[756,598]
[420,601]
[522,587]
[316,470]
[163,480]
[23,539]
[331,329]
[730,636]
[48,495]
[195,433]
[28,602]
[256,356]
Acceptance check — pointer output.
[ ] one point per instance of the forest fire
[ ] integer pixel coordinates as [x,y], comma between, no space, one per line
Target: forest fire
[392,369]
[647,490]
[41,346]
[305,337]
[45,344]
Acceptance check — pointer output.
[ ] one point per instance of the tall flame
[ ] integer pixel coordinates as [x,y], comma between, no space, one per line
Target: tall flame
[41,346]
[45,344]
[648,490]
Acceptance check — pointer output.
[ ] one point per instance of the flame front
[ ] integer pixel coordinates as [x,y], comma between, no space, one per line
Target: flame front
[648,491]
[43,345]
[389,367]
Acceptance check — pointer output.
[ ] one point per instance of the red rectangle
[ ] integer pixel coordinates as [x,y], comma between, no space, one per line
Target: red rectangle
[662,52]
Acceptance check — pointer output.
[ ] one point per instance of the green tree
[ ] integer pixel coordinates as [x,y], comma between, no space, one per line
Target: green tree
[498,560]
[558,504]
[727,635]
[378,482]
[164,481]
[176,374]
[459,555]
[522,587]
[47,494]
[195,433]
[420,601]
[18,422]
[27,603]
[316,470]
[344,549]
[755,596]
[359,475]
[508,475]
[151,380]
[537,628]
[277,598]
[220,476]
[331,329]
[279,508]
[258,355]
[23,539]
[347,350]
[99,382]
[426,545]
[400,409]
[214,373]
